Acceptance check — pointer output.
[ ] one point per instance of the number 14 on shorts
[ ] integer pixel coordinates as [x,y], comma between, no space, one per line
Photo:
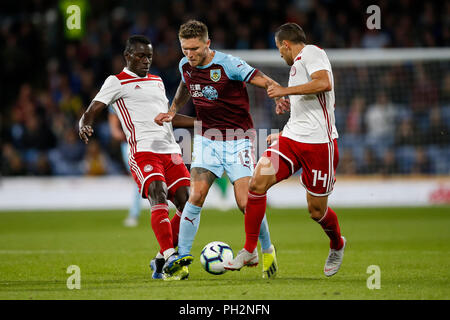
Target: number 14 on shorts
[318,176]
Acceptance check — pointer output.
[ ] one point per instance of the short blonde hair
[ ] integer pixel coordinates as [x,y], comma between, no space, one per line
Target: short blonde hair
[193,29]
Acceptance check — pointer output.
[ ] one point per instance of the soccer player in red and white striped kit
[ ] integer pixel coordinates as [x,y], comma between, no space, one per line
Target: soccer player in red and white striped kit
[154,155]
[308,141]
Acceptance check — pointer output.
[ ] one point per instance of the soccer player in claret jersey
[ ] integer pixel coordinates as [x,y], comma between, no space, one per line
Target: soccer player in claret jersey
[217,84]
[308,141]
[154,156]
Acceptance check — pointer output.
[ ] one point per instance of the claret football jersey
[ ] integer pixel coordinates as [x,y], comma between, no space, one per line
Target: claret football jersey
[219,92]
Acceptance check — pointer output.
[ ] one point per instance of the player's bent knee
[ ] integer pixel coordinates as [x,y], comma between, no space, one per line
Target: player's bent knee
[264,177]
[265,167]
[317,206]
[197,198]
[157,192]
[157,198]
[315,212]
[181,197]
[256,187]
[259,184]
[315,216]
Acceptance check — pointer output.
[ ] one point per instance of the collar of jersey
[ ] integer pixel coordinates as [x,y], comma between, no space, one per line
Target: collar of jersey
[209,64]
[126,70]
[299,54]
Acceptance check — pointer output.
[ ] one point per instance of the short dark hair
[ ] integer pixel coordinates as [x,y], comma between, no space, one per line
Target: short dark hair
[136,39]
[193,29]
[291,32]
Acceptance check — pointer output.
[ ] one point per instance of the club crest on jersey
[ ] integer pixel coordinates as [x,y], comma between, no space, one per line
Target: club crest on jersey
[148,168]
[215,74]
[293,71]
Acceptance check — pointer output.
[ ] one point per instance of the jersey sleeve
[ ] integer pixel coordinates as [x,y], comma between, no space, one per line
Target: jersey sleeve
[110,91]
[238,69]
[180,67]
[315,59]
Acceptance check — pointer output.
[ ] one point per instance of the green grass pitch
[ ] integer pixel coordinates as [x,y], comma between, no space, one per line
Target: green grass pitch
[410,245]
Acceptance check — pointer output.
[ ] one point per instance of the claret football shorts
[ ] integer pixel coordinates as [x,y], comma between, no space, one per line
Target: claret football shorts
[318,161]
[147,167]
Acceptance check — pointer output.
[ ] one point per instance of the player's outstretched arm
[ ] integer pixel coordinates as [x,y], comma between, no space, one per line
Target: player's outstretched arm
[87,120]
[263,81]
[181,97]
[320,82]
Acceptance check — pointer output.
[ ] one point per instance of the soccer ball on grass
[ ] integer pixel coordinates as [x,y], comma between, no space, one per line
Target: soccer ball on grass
[214,255]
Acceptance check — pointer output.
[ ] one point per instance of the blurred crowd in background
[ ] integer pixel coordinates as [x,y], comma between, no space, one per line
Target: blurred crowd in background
[400,125]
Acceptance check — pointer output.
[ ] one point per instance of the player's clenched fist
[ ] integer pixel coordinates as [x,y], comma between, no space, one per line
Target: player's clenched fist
[275,90]
[85,132]
[164,117]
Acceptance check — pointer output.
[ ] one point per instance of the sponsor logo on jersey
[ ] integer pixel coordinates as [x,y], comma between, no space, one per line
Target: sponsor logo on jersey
[210,93]
[195,90]
[196,94]
[137,87]
[148,168]
[215,74]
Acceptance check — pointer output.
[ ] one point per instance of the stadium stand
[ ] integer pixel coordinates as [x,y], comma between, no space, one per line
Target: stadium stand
[393,118]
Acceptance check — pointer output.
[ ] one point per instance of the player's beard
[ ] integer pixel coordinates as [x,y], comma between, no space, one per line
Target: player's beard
[199,62]
[202,58]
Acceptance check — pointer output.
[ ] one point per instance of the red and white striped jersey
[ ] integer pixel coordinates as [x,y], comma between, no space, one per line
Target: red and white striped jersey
[312,116]
[137,101]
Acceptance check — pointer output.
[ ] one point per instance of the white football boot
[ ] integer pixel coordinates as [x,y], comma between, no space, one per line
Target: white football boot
[334,260]
[243,258]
